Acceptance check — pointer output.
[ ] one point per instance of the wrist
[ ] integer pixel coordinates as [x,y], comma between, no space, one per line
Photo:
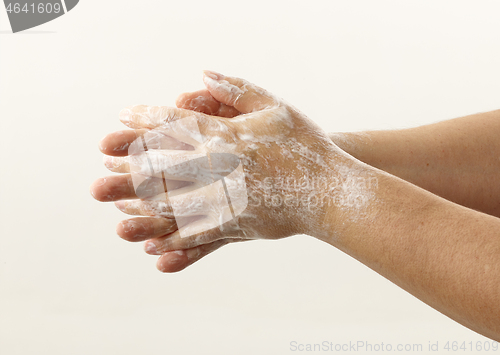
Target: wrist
[357,144]
[344,196]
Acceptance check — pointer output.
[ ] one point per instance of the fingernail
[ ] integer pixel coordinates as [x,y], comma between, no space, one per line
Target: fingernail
[97,183]
[100,182]
[126,227]
[210,83]
[213,75]
[150,248]
[120,205]
[108,162]
[92,192]
[101,146]
[177,257]
[124,115]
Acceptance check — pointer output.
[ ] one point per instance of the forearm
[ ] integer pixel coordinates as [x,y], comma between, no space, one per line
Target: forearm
[456,159]
[445,254]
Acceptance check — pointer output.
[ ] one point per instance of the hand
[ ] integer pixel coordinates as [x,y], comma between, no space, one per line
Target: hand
[283,154]
[202,101]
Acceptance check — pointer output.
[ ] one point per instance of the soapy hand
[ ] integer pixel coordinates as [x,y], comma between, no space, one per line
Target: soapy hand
[275,164]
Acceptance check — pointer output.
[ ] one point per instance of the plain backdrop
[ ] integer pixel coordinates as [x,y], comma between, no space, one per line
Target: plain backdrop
[70,285]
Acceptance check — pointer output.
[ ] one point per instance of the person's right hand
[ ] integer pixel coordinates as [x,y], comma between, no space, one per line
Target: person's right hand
[284,155]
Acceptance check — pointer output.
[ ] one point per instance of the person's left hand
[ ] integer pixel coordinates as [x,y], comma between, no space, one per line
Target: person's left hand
[273,141]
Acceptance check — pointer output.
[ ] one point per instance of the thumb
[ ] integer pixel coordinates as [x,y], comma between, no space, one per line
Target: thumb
[241,94]
[202,101]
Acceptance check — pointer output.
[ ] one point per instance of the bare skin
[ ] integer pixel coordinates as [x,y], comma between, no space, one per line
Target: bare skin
[457,159]
[445,254]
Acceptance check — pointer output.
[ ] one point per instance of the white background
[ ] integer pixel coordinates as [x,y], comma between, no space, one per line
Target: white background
[69,285]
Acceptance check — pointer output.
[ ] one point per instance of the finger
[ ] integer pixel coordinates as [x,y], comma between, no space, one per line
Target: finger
[146,208]
[142,116]
[121,187]
[163,139]
[186,200]
[200,169]
[113,188]
[171,165]
[117,143]
[238,93]
[176,241]
[190,203]
[178,260]
[143,228]
[202,101]
[116,164]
